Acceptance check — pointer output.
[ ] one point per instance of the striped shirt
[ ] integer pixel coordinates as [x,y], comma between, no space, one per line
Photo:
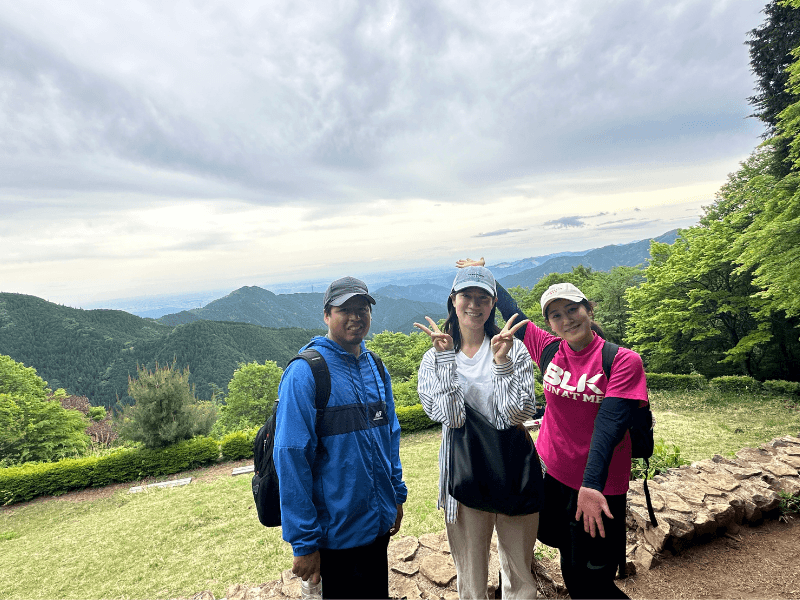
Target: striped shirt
[443,379]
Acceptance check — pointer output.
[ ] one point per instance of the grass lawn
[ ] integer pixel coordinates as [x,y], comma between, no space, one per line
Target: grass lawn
[176,542]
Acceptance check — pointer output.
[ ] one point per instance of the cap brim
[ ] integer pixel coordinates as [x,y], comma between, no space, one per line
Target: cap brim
[472,284]
[345,297]
[570,297]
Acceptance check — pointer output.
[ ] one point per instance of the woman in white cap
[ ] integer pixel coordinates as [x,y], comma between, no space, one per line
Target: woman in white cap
[584,441]
[474,365]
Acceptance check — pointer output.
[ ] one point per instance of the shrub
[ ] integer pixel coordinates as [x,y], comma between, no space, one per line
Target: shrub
[27,481]
[671,381]
[33,427]
[405,392]
[665,456]
[413,418]
[166,410]
[238,444]
[778,387]
[252,392]
[736,384]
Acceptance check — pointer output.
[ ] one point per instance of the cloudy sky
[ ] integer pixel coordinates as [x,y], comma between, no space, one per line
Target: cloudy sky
[165,147]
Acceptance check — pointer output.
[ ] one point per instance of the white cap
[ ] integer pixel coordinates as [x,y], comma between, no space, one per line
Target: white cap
[566,291]
[475,276]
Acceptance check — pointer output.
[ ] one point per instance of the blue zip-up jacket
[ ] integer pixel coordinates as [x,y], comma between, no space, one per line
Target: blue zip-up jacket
[345,495]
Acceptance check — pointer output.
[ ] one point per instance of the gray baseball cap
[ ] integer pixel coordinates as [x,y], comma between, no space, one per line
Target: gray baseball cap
[341,290]
[479,277]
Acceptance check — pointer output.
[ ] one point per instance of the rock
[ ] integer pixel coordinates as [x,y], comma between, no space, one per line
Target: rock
[741,473]
[674,503]
[407,569]
[291,587]
[691,493]
[681,526]
[450,596]
[704,523]
[433,540]
[754,455]
[790,459]
[643,559]
[780,469]
[438,569]
[403,549]
[405,588]
[723,513]
[657,536]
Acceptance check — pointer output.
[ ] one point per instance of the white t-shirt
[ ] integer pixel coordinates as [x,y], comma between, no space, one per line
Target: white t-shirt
[475,377]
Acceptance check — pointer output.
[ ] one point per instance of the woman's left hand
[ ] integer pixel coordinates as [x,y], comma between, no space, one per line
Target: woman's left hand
[504,341]
[591,506]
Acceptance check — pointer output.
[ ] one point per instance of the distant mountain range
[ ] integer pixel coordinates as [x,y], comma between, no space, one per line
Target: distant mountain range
[258,306]
[409,295]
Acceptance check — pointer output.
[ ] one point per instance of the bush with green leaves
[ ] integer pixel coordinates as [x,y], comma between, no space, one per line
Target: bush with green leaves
[24,482]
[238,445]
[252,392]
[778,387]
[676,382]
[413,418]
[735,384]
[166,410]
[33,427]
[665,456]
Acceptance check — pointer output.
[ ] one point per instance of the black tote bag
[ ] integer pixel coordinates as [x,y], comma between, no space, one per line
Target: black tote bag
[494,470]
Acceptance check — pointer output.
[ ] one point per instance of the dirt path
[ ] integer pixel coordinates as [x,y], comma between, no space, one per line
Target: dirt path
[764,564]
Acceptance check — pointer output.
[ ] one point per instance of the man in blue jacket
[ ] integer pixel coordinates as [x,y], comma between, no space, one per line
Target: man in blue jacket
[340,503]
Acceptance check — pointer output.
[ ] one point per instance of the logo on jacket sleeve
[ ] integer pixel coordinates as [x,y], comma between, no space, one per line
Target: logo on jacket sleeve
[378,416]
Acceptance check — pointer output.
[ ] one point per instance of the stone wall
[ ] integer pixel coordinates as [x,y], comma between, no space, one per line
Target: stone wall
[709,498]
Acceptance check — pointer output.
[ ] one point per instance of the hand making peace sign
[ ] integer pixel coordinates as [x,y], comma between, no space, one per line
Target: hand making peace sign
[503,341]
[441,341]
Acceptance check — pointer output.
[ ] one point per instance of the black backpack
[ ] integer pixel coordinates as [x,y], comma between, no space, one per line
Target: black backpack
[265,479]
[642,422]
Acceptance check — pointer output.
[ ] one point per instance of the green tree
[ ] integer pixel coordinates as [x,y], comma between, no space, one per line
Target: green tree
[252,392]
[608,289]
[401,353]
[33,428]
[165,410]
[771,46]
[694,310]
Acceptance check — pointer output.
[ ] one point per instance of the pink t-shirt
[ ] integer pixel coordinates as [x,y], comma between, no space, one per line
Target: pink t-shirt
[574,388]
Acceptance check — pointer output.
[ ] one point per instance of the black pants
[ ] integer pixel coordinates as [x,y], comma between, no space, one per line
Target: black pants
[361,572]
[588,564]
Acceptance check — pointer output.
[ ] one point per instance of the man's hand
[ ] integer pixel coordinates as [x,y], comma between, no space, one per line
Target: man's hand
[307,567]
[591,506]
[396,527]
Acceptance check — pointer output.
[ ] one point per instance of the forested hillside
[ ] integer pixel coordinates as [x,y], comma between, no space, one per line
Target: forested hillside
[92,352]
[257,306]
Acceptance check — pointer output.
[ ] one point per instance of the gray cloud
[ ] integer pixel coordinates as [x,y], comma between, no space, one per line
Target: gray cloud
[499,232]
[305,102]
[565,223]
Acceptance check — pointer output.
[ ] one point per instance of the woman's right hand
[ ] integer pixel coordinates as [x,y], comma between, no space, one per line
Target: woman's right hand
[468,262]
[441,341]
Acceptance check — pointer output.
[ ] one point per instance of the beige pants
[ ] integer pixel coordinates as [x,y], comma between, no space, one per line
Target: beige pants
[470,537]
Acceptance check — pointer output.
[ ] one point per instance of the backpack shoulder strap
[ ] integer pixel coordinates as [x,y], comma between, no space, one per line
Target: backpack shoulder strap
[321,374]
[609,353]
[547,355]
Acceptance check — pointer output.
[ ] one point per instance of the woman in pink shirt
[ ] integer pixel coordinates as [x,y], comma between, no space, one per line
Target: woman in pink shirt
[584,440]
